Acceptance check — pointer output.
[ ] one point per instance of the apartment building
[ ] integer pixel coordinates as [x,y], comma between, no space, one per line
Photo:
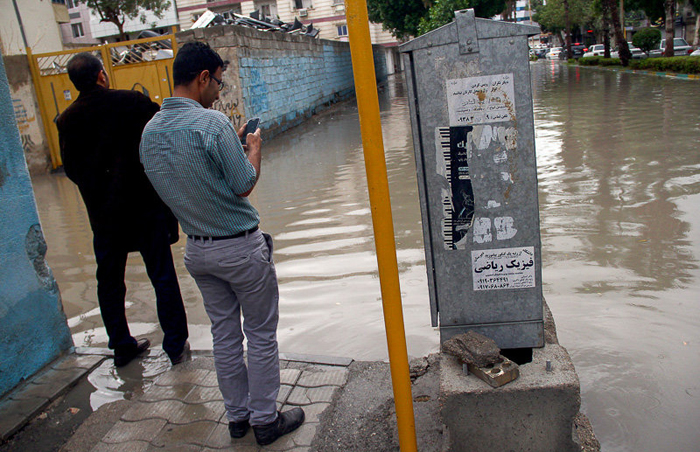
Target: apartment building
[327,16]
[77,32]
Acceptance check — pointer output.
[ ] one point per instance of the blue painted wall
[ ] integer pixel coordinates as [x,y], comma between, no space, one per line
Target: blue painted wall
[33,328]
[284,87]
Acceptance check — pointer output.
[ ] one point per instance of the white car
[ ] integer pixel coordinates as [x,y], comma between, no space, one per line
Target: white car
[595,50]
[637,53]
[553,53]
[695,53]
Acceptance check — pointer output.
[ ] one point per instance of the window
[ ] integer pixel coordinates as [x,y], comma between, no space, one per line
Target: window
[338,2]
[342,30]
[77,30]
[70,4]
[60,2]
[302,4]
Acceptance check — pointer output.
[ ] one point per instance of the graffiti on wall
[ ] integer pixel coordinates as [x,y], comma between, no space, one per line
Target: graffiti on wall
[230,109]
[21,115]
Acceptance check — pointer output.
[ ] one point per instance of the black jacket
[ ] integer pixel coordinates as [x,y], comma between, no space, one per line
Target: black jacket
[99,135]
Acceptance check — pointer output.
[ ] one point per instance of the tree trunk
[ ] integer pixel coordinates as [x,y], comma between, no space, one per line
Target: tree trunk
[696,35]
[569,55]
[670,9]
[606,30]
[622,47]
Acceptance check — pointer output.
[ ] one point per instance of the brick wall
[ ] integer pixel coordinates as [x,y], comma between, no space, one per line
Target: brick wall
[281,78]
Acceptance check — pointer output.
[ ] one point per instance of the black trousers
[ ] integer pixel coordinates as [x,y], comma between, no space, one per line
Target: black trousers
[111,255]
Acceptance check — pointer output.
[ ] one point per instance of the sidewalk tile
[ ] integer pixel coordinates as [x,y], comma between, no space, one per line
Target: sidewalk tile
[10,423]
[201,394]
[200,377]
[131,446]
[289,376]
[311,379]
[284,394]
[195,433]
[174,411]
[313,412]
[160,393]
[298,397]
[79,361]
[56,382]
[175,448]
[26,407]
[123,432]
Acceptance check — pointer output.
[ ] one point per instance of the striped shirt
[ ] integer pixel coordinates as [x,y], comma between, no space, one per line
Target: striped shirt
[196,163]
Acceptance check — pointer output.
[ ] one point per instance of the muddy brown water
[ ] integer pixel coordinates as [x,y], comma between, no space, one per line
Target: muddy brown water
[619,181]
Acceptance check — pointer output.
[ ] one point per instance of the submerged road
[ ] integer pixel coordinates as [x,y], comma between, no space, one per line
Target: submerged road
[619,177]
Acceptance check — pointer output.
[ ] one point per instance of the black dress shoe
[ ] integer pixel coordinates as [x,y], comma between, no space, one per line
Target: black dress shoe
[123,356]
[182,356]
[238,429]
[285,423]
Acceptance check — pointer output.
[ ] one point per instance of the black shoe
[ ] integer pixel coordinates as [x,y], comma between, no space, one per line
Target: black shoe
[182,356]
[285,423]
[238,429]
[124,356]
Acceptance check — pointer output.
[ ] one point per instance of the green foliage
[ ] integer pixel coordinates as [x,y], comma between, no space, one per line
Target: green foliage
[551,15]
[678,65]
[647,39]
[654,9]
[599,61]
[399,17]
[442,12]
[117,11]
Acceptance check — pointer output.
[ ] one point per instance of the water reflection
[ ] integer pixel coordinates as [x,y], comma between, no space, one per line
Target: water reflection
[619,190]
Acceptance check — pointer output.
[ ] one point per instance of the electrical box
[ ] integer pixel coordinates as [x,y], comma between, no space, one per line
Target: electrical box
[473,131]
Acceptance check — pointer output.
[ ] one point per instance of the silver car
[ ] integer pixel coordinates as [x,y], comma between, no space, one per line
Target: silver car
[680,48]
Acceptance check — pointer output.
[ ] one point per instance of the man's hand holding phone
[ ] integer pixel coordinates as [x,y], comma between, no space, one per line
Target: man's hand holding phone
[250,127]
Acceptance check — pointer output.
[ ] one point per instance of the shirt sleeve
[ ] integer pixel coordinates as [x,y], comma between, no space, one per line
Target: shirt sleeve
[228,154]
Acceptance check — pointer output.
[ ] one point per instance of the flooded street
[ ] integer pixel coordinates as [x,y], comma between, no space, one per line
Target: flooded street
[619,181]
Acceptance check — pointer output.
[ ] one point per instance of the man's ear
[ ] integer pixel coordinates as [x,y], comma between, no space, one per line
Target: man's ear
[203,77]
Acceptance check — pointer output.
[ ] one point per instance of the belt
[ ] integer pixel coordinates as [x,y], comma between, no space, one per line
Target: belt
[224,237]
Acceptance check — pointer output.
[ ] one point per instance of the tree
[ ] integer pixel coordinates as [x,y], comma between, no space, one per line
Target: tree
[622,48]
[442,12]
[399,17]
[647,39]
[552,15]
[118,11]
[696,36]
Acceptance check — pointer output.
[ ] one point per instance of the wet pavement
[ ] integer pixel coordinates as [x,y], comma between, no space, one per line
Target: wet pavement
[619,194]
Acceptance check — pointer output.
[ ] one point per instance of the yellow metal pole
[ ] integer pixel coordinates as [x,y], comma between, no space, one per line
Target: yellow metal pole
[378,184]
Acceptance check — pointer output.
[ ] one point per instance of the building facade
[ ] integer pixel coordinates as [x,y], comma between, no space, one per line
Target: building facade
[77,32]
[31,23]
[327,16]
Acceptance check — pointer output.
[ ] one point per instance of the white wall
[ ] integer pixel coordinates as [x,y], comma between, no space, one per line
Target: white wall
[40,27]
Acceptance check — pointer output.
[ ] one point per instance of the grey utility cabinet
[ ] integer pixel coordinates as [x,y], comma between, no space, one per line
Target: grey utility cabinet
[471,113]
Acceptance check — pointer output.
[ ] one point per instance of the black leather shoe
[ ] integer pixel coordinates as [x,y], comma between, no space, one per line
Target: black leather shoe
[285,423]
[238,429]
[124,356]
[182,356]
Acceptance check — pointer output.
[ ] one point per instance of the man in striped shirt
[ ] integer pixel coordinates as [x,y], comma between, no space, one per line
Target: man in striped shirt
[195,161]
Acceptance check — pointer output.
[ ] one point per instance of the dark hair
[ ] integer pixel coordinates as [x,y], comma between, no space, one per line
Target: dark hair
[83,70]
[192,59]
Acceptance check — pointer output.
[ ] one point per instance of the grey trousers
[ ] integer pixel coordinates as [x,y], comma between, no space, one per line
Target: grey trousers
[237,275]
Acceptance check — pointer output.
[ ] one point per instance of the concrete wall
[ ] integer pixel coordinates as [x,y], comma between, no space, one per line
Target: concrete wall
[33,328]
[279,77]
[27,115]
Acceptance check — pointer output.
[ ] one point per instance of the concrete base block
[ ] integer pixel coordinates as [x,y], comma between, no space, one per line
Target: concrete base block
[533,413]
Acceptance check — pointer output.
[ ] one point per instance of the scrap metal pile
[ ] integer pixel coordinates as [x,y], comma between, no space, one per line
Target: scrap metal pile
[210,19]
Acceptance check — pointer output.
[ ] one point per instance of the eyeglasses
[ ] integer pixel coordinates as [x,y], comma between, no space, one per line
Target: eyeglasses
[221,84]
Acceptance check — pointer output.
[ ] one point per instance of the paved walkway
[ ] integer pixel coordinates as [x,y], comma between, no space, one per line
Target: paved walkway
[183,409]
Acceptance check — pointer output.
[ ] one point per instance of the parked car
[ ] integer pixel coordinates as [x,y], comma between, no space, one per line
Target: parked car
[541,52]
[553,53]
[637,53]
[695,53]
[680,48]
[595,50]
[577,51]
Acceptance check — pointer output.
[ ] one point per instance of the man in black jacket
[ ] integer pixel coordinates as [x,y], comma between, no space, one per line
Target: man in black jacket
[99,136]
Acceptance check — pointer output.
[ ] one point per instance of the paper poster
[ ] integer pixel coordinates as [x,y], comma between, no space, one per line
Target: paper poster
[481,100]
[506,268]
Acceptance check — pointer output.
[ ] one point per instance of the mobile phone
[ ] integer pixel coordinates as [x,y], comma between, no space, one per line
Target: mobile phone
[250,127]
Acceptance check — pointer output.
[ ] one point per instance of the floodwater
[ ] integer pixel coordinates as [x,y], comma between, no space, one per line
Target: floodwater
[619,174]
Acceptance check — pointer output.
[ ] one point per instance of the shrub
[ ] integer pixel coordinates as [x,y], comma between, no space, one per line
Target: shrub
[681,65]
[589,61]
[647,39]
